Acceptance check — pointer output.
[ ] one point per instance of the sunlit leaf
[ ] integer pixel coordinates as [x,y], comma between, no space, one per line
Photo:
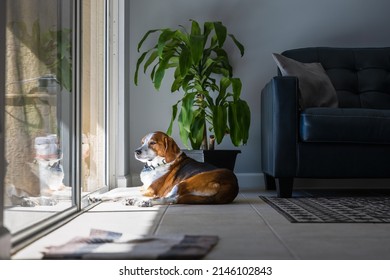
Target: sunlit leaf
[173,117]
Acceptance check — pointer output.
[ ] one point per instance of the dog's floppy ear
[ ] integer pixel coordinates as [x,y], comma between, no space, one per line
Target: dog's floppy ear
[171,149]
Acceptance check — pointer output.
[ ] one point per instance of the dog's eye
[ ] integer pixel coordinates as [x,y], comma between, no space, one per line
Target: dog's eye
[152,143]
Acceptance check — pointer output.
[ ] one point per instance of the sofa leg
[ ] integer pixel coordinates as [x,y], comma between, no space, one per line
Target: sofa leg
[284,187]
[269,182]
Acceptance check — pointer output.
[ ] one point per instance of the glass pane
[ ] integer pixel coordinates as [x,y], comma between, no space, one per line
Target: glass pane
[38,111]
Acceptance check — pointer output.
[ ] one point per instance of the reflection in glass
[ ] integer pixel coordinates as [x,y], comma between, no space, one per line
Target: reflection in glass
[38,111]
[40,115]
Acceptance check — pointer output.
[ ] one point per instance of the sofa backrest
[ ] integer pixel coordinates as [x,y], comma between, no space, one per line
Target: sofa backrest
[361,76]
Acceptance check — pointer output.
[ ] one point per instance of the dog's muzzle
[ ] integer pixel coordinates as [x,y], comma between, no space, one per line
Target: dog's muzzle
[138,152]
[140,155]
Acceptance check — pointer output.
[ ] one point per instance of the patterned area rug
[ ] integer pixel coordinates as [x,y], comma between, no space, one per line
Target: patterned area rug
[373,208]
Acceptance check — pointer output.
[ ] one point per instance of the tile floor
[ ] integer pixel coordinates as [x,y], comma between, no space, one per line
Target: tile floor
[248,229]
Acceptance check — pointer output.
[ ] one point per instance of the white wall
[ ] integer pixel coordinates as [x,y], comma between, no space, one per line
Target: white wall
[263,26]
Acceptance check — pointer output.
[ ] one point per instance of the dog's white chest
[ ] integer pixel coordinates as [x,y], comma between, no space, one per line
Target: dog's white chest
[151,173]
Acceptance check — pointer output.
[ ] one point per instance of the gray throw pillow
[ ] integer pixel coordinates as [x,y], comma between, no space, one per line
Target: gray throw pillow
[315,86]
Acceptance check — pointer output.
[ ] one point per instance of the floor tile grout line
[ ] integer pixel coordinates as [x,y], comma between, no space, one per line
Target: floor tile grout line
[159,222]
[289,250]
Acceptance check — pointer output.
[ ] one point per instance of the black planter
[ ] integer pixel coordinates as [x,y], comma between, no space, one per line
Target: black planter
[218,158]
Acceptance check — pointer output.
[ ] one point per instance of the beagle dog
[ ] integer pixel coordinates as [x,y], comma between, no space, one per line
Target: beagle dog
[171,177]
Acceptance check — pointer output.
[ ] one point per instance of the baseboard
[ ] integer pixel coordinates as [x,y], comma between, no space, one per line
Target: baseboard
[124,181]
[5,244]
[251,180]
[135,180]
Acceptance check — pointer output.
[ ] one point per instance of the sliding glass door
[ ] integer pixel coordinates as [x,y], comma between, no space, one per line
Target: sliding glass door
[54,110]
[39,111]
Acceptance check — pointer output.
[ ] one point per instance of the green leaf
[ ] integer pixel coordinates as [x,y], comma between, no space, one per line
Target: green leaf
[146,36]
[176,84]
[238,44]
[162,67]
[219,122]
[181,37]
[207,28]
[174,113]
[220,31]
[184,134]
[224,83]
[210,101]
[244,120]
[186,82]
[197,128]
[150,60]
[234,125]
[159,75]
[153,71]
[195,29]
[186,113]
[237,85]
[185,117]
[184,61]
[213,42]
[196,44]
[139,61]
[222,60]
[165,36]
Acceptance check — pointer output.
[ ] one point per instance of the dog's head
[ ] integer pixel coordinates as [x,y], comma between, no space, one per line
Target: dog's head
[157,144]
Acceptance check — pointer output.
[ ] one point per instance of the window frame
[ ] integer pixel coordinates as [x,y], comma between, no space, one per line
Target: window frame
[5,236]
[118,90]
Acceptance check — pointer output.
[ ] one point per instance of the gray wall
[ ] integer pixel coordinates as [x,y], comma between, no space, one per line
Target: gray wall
[264,27]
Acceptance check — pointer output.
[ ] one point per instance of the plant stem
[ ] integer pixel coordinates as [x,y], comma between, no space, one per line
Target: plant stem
[204,141]
[204,145]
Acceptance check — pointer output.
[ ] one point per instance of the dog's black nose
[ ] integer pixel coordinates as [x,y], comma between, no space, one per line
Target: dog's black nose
[138,152]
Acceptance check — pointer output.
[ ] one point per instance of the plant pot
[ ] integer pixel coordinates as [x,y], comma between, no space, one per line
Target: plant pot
[218,158]
[49,83]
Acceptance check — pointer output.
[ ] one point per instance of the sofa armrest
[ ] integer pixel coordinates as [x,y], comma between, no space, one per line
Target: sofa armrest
[279,126]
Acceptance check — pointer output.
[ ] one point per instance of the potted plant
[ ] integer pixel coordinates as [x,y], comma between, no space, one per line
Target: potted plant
[203,75]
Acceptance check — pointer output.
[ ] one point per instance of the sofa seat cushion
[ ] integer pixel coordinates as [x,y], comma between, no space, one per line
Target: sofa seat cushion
[345,125]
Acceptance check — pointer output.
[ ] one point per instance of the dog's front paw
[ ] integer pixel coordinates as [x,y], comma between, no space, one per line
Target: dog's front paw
[27,202]
[130,201]
[136,202]
[93,199]
[145,203]
[47,201]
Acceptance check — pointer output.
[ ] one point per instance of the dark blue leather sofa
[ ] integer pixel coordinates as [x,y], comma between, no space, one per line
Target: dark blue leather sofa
[350,141]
